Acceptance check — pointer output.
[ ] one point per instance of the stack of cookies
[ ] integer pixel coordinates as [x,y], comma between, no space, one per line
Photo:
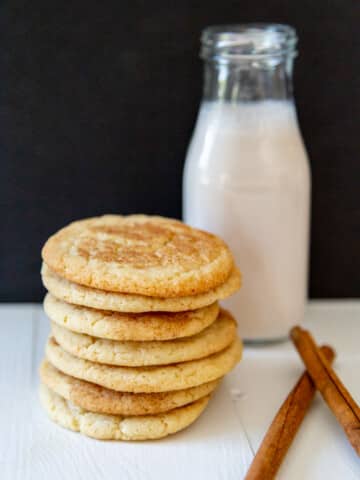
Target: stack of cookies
[138,342]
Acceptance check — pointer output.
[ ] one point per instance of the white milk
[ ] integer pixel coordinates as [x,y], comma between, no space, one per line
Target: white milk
[247,179]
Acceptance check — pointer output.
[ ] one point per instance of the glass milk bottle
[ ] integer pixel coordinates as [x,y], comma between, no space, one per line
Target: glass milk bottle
[246,175]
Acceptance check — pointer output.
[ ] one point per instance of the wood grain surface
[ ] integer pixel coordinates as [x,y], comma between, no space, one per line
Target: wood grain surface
[218,446]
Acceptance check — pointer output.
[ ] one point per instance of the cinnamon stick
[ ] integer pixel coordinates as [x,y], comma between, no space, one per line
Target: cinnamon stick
[329,385]
[283,429]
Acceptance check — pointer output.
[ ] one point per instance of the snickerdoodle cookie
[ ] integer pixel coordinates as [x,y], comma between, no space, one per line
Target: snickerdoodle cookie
[139,254]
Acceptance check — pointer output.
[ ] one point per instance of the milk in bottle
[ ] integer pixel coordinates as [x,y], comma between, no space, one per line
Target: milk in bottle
[246,175]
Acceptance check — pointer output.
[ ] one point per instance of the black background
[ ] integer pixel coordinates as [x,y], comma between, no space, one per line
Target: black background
[98,101]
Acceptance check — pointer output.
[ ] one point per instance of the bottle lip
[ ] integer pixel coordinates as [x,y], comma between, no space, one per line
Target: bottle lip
[248,41]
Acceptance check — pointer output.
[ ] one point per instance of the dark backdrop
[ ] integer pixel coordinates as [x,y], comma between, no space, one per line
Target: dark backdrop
[98,101]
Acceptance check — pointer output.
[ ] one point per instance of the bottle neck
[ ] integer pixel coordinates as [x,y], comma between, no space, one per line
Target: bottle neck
[247,81]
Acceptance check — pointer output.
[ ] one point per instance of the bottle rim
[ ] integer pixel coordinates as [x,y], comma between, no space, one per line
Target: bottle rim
[248,41]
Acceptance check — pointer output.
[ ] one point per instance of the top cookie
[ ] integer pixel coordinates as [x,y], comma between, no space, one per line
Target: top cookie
[139,254]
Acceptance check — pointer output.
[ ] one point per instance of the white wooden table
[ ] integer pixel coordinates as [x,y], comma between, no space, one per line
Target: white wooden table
[219,446]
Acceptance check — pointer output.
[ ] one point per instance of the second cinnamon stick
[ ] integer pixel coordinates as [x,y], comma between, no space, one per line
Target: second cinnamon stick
[329,385]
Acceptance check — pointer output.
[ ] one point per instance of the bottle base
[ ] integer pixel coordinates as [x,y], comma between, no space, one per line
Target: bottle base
[259,342]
